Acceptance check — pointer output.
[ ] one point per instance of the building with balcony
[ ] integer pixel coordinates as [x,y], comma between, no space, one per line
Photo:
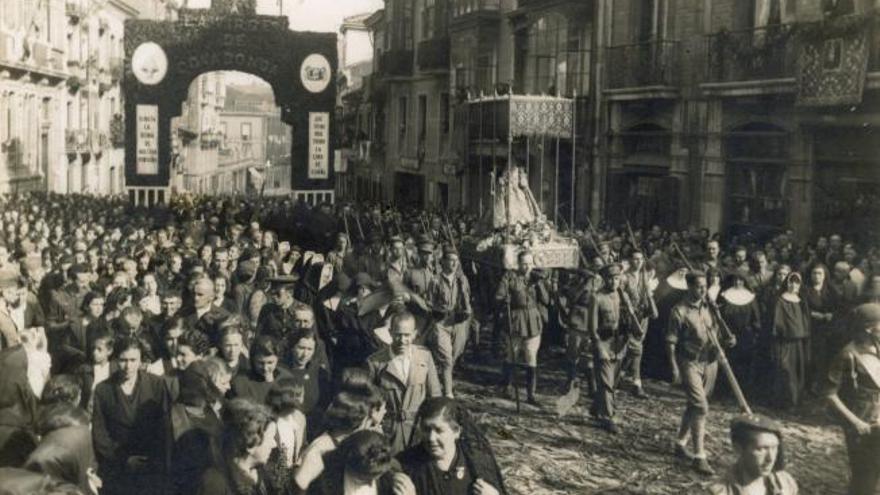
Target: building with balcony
[198,135]
[94,99]
[747,117]
[60,102]
[406,127]
[32,92]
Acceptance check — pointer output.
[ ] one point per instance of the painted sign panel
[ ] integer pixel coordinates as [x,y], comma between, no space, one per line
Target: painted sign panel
[319,134]
[147,140]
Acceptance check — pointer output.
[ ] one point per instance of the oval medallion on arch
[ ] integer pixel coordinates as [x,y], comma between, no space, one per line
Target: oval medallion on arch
[315,73]
[149,63]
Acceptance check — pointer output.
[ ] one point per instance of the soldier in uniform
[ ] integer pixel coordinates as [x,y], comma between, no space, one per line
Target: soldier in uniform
[420,277]
[277,317]
[693,360]
[397,269]
[853,390]
[637,281]
[521,295]
[609,343]
[449,296]
[578,341]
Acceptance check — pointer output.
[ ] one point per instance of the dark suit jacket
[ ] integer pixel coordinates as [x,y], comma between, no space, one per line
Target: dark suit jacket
[209,323]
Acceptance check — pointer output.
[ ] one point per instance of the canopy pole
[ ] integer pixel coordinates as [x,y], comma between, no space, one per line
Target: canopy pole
[541,172]
[480,158]
[556,184]
[573,155]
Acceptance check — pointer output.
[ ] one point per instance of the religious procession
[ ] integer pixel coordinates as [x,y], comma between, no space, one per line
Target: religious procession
[439,247]
[262,346]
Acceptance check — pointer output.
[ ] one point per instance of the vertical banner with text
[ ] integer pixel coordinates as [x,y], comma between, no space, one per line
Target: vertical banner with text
[319,135]
[147,140]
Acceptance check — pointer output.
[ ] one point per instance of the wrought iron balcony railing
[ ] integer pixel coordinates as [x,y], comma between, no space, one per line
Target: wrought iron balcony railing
[755,54]
[396,63]
[434,54]
[652,63]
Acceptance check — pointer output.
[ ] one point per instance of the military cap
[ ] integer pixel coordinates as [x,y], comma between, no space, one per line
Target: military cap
[364,279]
[425,244]
[375,236]
[742,426]
[67,259]
[449,249]
[611,269]
[395,238]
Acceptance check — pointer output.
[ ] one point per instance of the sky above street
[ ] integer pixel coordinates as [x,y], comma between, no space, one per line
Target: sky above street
[310,15]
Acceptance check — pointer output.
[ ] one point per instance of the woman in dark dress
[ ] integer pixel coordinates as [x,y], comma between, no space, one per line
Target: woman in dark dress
[248,438]
[265,370]
[821,302]
[739,308]
[790,330]
[306,371]
[453,457]
[129,424]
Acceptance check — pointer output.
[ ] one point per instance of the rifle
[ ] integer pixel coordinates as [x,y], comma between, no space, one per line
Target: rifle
[513,363]
[345,221]
[722,357]
[357,220]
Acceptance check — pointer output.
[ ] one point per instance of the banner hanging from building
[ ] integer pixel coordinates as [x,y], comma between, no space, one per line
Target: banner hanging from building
[147,161]
[833,61]
[319,134]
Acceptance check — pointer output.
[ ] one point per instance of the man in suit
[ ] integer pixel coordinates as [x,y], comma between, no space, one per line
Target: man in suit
[204,315]
[407,375]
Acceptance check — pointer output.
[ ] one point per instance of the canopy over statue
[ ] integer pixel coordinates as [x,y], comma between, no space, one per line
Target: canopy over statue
[516,223]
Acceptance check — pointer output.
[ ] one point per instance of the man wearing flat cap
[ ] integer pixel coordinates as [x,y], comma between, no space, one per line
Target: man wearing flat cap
[853,390]
[760,464]
[609,343]
[277,317]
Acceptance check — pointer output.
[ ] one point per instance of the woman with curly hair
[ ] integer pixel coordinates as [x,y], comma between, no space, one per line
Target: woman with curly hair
[247,440]
[362,464]
[453,457]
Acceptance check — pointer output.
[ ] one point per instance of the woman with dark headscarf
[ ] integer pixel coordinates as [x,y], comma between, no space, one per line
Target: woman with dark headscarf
[454,457]
[790,330]
[739,308]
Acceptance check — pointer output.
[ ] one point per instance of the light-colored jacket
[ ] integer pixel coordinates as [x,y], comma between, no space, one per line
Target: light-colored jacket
[404,397]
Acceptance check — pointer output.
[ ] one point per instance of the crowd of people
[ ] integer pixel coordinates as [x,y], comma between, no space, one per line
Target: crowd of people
[260,346]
